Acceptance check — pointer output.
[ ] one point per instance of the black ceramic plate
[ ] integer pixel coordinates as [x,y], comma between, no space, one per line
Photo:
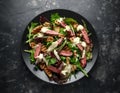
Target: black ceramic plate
[64,13]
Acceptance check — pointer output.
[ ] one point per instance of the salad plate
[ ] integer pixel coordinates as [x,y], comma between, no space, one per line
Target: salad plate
[32,57]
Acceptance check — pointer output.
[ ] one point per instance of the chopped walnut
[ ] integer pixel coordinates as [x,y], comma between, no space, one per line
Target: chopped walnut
[57,28]
[68,60]
[32,44]
[46,24]
[43,48]
[74,68]
[56,22]
[48,72]
[75,25]
[36,29]
[71,39]
[75,53]
[50,39]
[42,66]
[66,48]
[61,35]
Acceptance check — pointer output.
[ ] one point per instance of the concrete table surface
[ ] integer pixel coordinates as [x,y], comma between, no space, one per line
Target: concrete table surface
[104,15]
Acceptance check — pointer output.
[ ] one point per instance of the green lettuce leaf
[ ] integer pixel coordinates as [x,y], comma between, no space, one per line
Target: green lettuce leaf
[54,17]
[30,35]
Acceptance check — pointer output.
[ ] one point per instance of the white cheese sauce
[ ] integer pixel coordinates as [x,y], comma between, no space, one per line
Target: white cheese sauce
[40,35]
[44,29]
[80,27]
[67,69]
[60,20]
[83,44]
[52,46]
[76,40]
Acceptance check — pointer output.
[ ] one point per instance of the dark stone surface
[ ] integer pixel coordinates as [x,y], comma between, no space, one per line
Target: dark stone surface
[104,15]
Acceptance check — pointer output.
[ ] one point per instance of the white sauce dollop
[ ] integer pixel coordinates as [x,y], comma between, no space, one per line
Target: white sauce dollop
[83,53]
[80,27]
[67,27]
[76,40]
[44,29]
[67,69]
[56,54]
[52,46]
[83,44]
[39,58]
[60,20]
[40,35]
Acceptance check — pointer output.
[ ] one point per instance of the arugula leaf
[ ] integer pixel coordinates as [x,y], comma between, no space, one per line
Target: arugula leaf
[63,58]
[48,57]
[89,55]
[89,34]
[54,17]
[60,47]
[74,60]
[55,38]
[74,74]
[52,61]
[72,28]
[62,31]
[36,67]
[30,35]
[84,24]
[28,51]
[80,68]
[32,59]
[72,46]
[70,20]
[48,44]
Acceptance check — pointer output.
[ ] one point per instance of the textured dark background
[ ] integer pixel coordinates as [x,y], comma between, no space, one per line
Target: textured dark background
[104,15]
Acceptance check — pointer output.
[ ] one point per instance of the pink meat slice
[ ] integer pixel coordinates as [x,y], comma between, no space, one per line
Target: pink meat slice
[60,41]
[66,53]
[52,32]
[70,33]
[37,50]
[80,46]
[85,36]
[53,69]
[63,24]
[83,62]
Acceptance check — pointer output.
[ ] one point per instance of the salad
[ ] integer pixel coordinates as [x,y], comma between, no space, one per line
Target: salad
[60,47]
